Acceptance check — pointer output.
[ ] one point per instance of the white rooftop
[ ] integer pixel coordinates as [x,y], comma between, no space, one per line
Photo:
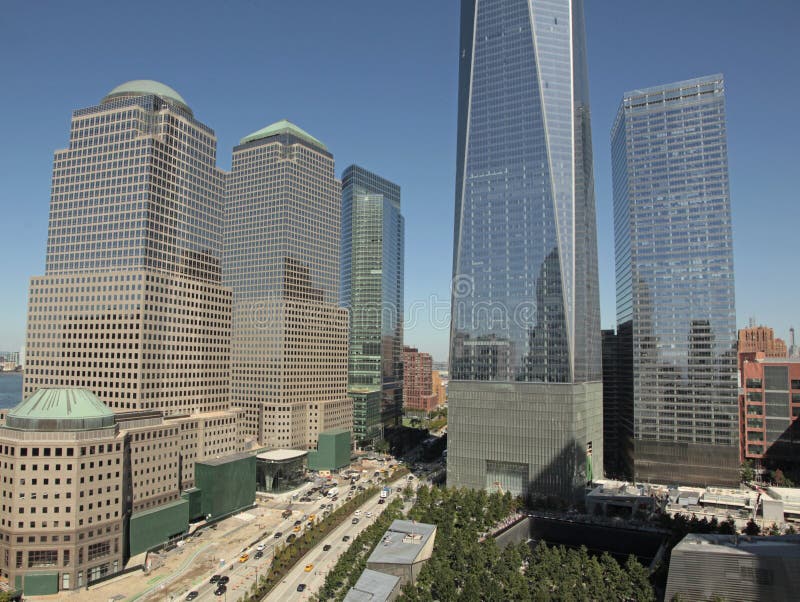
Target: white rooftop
[281,455]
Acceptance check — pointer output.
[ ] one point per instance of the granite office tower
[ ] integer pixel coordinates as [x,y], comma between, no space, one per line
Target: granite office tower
[131,306]
[282,224]
[525,396]
[372,290]
[674,271]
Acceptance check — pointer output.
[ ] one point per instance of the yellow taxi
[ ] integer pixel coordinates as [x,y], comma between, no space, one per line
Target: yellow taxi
[311,517]
[244,557]
[309,568]
[297,529]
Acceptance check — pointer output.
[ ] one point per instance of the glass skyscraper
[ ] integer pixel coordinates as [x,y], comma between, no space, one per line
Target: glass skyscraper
[675,293]
[525,397]
[372,289]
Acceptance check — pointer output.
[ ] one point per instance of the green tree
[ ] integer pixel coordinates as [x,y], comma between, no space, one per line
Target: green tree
[751,528]
[746,471]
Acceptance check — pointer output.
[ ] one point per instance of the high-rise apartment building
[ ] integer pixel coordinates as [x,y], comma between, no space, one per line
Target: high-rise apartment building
[372,290]
[131,306]
[674,271]
[419,396]
[282,224]
[525,398]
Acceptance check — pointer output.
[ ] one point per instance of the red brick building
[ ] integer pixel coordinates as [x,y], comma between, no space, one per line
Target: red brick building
[769,406]
[760,339]
[418,393]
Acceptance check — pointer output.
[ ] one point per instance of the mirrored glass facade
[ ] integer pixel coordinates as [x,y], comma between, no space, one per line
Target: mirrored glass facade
[525,309]
[372,289]
[675,287]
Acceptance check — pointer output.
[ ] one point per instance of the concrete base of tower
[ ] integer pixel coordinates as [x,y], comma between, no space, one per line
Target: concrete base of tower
[532,439]
[678,463]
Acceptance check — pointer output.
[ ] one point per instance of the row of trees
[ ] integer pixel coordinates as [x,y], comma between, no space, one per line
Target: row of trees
[286,557]
[352,563]
[463,568]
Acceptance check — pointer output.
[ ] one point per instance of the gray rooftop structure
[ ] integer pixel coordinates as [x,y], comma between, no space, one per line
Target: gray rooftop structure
[403,542]
[374,586]
[735,567]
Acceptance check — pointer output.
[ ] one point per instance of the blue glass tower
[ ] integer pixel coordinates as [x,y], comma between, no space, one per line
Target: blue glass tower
[372,289]
[525,396]
[675,287]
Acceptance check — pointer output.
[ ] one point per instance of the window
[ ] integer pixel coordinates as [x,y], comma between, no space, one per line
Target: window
[753,383]
[40,558]
[97,550]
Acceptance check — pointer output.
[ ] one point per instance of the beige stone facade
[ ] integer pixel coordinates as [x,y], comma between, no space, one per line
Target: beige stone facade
[66,493]
[289,349]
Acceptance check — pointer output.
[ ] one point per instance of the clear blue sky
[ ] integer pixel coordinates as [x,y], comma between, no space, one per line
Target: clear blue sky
[376,81]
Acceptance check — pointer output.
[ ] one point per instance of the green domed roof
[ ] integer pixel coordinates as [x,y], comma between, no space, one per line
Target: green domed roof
[282,127]
[145,87]
[60,410]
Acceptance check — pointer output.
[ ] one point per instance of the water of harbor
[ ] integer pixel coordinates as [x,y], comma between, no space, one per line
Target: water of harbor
[10,389]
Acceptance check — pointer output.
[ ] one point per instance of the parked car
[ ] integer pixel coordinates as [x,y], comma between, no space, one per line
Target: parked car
[278,535]
[191,596]
[301,587]
[214,578]
[326,547]
[346,538]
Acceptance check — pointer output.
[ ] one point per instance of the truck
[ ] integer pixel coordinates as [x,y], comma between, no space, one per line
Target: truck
[385,492]
[333,492]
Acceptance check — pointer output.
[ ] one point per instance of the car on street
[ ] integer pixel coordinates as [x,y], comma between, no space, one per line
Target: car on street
[286,513]
[278,535]
[369,514]
[346,538]
[191,596]
[258,554]
[382,501]
[220,591]
[223,580]
[297,523]
[260,547]
[355,520]
[312,516]
[297,528]
[214,578]
[291,538]
[326,547]
[244,557]
[301,587]
[309,568]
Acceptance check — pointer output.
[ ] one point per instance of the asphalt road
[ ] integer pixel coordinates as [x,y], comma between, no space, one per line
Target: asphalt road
[323,561]
[243,574]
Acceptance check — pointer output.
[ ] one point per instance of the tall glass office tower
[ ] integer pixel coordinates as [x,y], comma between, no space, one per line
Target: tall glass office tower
[372,289]
[525,396]
[675,294]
